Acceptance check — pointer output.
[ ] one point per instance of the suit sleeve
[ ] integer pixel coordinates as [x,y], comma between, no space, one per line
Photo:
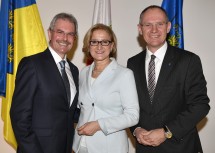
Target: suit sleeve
[21,108]
[197,101]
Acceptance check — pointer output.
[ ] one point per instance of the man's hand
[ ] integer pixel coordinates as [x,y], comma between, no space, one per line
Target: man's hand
[150,138]
[139,133]
[155,137]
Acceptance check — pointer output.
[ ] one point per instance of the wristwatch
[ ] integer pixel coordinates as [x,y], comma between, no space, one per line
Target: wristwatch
[168,133]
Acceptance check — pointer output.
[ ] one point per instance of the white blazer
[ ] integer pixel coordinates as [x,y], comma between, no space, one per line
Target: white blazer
[112,100]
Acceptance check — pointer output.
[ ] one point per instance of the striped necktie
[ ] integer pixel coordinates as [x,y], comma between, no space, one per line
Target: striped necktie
[151,77]
[65,80]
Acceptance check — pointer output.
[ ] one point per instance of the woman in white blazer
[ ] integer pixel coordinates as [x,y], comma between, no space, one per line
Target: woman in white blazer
[107,97]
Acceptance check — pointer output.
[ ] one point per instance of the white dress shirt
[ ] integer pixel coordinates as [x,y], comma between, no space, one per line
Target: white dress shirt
[57,59]
[160,53]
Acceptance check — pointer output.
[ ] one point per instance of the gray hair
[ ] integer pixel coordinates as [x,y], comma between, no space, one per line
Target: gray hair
[64,16]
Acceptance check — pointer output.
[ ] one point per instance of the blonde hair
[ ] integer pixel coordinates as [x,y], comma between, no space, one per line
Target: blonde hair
[88,36]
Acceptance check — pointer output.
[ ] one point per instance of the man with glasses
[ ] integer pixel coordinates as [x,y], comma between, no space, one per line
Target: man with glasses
[171,90]
[46,93]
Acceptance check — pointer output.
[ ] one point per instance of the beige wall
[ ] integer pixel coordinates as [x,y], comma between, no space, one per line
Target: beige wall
[199,34]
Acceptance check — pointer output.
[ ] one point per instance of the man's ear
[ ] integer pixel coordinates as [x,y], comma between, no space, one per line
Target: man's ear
[49,34]
[168,27]
[139,27]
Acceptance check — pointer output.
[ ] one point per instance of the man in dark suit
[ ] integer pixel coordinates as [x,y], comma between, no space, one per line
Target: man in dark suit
[42,111]
[171,89]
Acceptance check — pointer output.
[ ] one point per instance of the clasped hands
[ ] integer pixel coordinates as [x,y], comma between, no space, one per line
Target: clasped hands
[150,138]
[89,128]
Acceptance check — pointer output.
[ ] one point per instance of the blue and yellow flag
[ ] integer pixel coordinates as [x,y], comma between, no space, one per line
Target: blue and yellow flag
[174,12]
[6,41]
[21,34]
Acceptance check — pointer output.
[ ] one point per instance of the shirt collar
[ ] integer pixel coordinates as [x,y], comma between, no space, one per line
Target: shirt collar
[56,57]
[160,53]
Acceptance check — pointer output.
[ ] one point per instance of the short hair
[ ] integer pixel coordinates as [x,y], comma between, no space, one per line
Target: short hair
[64,16]
[153,7]
[89,34]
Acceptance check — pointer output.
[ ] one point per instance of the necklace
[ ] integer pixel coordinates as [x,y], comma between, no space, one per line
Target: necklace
[97,71]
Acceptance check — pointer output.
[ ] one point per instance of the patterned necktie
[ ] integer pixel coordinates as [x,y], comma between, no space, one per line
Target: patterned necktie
[151,77]
[65,79]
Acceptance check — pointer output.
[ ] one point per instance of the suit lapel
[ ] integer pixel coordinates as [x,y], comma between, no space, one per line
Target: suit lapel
[142,72]
[74,75]
[54,69]
[166,68]
[107,72]
[88,80]
[95,87]
[56,74]
[75,79]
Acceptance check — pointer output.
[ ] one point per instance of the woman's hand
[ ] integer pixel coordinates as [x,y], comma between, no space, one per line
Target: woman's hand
[89,128]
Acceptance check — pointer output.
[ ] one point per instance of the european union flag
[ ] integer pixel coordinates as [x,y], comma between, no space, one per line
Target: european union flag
[174,12]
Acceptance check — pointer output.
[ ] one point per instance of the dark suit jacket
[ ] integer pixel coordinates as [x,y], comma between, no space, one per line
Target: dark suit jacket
[180,100]
[41,117]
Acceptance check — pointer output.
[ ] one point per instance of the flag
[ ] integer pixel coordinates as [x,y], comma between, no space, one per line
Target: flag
[21,34]
[6,31]
[101,14]
[174,12]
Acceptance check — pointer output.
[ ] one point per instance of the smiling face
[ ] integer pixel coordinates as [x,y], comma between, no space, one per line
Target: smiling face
[62,37]
[154,28]
[101,53]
